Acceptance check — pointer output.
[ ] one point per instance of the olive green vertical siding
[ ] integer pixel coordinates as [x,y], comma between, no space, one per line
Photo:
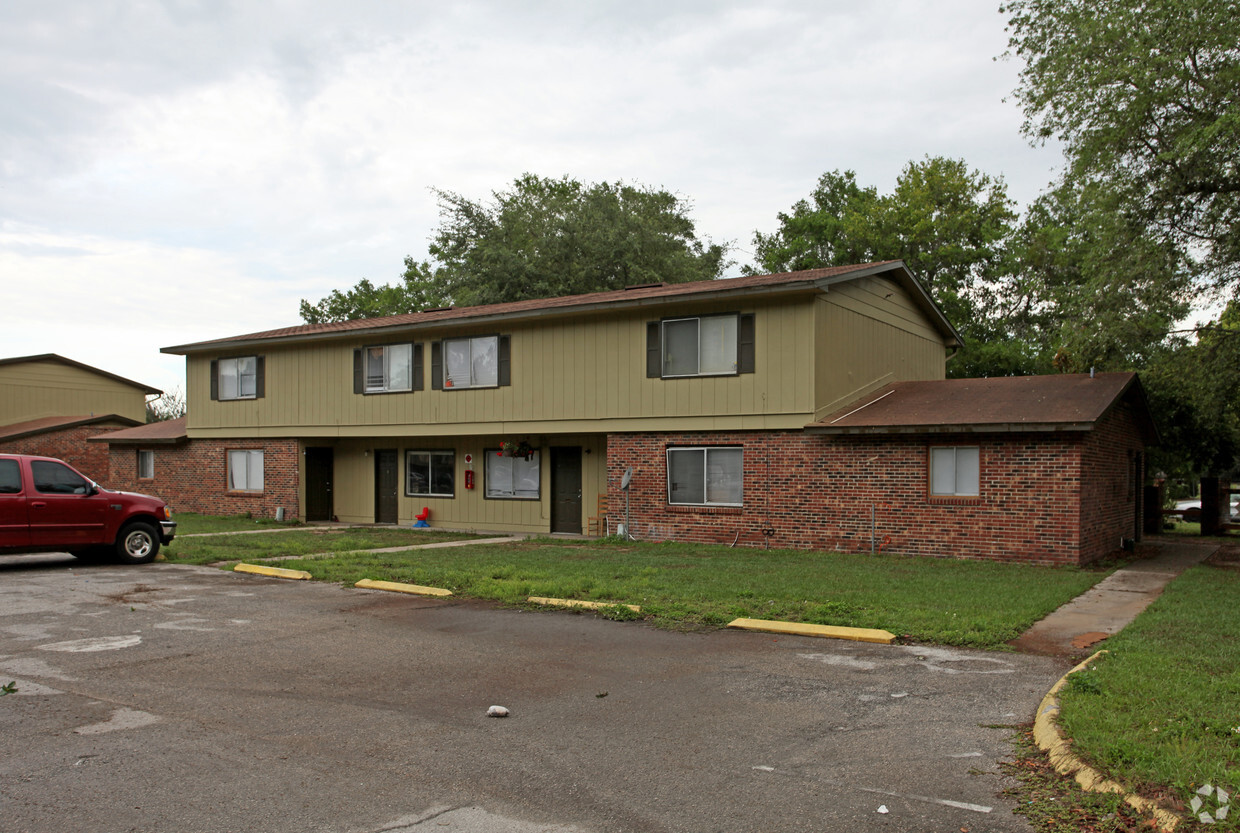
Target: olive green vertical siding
[468,510]
[566,374]
[869,332]
[37,389]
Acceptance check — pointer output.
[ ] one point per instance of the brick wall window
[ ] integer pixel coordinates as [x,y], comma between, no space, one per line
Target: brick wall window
[245,470]
[955,471]
[705,476]
[146,465]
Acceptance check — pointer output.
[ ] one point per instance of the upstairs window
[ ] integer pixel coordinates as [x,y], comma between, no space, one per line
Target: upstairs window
[474,362]
[705,476]
[707,345]
[387,368]
[955,471]
[241,377]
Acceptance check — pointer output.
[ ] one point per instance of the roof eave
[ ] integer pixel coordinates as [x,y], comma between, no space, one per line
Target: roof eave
[959,428]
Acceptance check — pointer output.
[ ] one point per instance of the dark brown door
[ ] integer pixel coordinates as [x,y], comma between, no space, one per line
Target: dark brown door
[387,482]
[566,489]
[320,468]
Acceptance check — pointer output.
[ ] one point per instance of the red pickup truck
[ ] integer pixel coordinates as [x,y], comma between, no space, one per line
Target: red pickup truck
[46,505]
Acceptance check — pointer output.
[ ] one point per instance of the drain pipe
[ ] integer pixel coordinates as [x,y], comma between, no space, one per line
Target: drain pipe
[871,529]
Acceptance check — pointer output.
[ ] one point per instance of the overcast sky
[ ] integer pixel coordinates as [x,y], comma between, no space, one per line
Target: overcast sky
[177,171]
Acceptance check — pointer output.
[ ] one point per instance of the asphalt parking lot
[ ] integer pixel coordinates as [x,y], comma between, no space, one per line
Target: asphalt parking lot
[161,697]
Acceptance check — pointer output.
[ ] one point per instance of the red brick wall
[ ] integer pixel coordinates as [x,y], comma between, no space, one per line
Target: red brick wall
[1112,485]
[193,477]
[70,445]
[817,492]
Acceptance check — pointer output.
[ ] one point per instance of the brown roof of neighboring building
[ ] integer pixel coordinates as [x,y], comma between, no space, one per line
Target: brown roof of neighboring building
[1070,402]
[168,432]
[53,357]
[46,425]
[807,280]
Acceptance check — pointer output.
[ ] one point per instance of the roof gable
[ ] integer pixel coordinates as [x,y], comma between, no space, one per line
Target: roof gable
[58,359]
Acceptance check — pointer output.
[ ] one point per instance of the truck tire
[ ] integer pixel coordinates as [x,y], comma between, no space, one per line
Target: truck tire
[138,543]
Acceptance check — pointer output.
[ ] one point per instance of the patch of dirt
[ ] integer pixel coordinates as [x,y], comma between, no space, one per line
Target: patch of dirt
[138,593]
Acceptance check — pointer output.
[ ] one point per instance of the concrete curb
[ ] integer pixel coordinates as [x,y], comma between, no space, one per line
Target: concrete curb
[1047,735]
[543,600]
[822,631]
[398,587]
[273,572]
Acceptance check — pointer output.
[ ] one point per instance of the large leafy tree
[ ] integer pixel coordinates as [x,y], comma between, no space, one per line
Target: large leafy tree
[540,238]
[420,288]
[548,237]
[949,224]
[1144,97]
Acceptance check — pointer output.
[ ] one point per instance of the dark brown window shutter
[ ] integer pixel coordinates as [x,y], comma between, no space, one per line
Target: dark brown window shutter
[358,383]
[260,377]
[417,366]
[215,379]
[745,344]
[505,361]
[436,365]
[654,351]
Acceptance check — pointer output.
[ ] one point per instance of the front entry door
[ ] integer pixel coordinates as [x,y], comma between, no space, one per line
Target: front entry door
[387,482]
[320,469]
[566,489]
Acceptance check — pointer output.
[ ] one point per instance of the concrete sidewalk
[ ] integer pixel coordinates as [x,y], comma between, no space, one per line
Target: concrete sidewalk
[1115,601]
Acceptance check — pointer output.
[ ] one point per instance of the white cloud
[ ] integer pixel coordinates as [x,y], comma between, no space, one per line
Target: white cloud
[186,170]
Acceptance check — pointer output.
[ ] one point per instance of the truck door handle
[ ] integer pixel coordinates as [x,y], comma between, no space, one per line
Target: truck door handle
[38,504]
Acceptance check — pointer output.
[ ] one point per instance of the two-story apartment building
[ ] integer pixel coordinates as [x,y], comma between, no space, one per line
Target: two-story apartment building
[52,405]
[714,398]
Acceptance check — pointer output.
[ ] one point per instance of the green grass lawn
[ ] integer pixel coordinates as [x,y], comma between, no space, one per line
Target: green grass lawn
[1161,712]
[979,604]
[297,542]
[189,523]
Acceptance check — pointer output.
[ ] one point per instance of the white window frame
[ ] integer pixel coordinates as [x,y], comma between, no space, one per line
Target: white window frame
[235,382]
[387,356]
[706,452]
[431,468]
[463,379]
[503,476]
[245,469]
[955,471]
[146,464]
[703,335]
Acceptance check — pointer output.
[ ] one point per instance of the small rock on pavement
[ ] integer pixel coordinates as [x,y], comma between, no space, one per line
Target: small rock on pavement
[497,711]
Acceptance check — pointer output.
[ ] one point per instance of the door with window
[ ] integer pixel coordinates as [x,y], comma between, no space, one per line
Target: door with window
[566,489]
[387,485]
[320,469]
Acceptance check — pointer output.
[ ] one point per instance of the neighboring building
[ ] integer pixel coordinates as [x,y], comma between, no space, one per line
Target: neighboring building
[719,395]
[52,406]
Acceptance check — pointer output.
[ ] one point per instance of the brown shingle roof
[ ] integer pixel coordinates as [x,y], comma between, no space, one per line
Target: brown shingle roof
[1010,403]
[809,279]
[168,432]
[56,423]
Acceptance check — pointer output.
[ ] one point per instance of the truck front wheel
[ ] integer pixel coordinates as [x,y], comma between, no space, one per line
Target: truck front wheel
[138,543]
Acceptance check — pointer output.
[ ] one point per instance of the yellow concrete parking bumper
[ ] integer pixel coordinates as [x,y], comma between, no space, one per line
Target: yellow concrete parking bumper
[543,600]
[398,587]
[274,572]
[823,631]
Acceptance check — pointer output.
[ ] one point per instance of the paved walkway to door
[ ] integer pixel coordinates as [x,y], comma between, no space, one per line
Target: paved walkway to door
[1115,601]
